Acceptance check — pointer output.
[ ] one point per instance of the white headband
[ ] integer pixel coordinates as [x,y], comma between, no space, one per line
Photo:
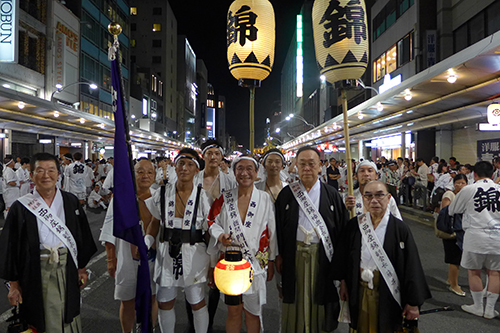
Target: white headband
[248,158]
[178,157]
[366,162]
[9,162]
[213,146]
[274,153]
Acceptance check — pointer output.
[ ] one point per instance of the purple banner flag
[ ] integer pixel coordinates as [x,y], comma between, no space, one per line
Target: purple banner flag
[125,209]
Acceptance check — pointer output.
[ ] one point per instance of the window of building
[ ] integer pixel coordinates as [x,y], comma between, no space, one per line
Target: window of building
[133,26]
[460,38]
[132,59]
[133,10]
[391,13]
[477,28]
[492,14]
[403,6]
[397,56]
[157,10]
[105,78]
[160,88]
[156,59]
[90,28]
[156,27]
[132,42]
[391,59]
[156,42]
[90,68]
[106,39]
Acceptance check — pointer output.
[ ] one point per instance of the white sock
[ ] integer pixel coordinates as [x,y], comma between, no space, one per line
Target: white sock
[102,205]
[477,297]
[491,300]
[200,318]
[166,319]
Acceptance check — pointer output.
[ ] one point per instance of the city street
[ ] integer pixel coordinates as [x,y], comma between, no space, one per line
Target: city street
[100,311]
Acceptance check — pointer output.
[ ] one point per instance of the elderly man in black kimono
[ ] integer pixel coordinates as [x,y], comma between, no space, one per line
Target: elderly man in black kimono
[44,248]
[378,264]
[310,216]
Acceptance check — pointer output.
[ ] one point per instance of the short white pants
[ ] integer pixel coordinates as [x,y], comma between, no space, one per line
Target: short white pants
[251,303]
[471,260]
[126,292]
[194,293]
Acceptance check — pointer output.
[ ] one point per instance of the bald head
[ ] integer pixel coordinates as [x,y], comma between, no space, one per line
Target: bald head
[145,174]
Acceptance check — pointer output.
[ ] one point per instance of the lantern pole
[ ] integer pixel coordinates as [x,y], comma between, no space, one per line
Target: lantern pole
[347,147]
[252,122]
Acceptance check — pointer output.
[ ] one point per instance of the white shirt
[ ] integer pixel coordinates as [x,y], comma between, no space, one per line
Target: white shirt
[481,220]
[93,196]
[359,208]
[314,195]
[367,261]
[46,236]
[75,178]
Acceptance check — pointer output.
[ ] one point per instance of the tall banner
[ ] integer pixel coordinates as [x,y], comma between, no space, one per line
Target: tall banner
[126,213]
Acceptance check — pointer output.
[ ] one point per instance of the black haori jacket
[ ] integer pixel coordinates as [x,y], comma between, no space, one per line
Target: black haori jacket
[20,258]
[335,215]
[403,254]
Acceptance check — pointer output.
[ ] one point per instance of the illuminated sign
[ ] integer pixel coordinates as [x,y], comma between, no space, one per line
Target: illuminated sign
[493,112]
[60,41]
[300,57]
[9,27]
[488,127]
[72,38]
[390,83]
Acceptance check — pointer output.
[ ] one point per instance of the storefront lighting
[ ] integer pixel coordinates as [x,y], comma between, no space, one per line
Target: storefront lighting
[452,78]
[56,114]
[278,130]
[21,105]
[101,126]
[45,141]
[82,121]
[380,107]
[59,86]
[132,116]
[408,95]
[6,86]
[76,144]
[410,124]
[109,147]
[493,112]
[360,115]
[411,111]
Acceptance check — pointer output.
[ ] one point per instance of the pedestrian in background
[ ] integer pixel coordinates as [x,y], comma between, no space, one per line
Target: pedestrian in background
[480,205]
[453,246]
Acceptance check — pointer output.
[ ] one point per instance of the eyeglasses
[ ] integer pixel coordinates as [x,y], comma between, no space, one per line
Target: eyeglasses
[311,165]
[50,172]
[377,196]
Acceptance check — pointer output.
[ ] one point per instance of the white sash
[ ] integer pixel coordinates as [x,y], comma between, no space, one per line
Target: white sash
[313,216]
[188,211]
[40,209]
[378,254]
[236,226]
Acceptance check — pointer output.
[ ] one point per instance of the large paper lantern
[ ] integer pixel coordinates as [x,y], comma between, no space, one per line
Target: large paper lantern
[494,114]
[250,39]
[340,38]
[233,276]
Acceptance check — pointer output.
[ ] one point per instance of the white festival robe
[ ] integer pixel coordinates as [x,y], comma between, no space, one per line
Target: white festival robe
[23,175]
[226,182]
[75,179]
[195,260]
[259,230]
[10,193]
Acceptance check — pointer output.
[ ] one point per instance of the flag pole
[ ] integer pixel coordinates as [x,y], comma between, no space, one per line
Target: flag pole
[126,213]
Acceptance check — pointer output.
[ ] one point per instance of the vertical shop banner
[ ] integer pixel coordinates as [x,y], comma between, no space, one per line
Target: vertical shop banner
[9,30]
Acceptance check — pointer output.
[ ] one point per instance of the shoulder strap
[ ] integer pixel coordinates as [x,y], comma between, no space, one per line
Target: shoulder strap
[192,236]
[162,212]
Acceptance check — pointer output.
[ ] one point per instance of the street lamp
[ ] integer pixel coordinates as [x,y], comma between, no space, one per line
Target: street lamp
[60,88]
[291,115]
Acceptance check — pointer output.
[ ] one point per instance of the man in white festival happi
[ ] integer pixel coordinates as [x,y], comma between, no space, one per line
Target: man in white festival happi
[244,216]
[182,260]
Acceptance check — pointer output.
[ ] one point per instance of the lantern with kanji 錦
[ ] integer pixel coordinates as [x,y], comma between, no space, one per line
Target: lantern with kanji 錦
[250,39]
[233,276]
[340,38]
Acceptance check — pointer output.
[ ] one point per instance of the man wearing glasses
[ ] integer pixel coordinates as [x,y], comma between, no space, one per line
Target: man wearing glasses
[310,216]
[379,267]
[366,171]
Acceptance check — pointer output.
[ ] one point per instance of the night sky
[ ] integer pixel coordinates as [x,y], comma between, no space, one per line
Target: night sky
[204,24]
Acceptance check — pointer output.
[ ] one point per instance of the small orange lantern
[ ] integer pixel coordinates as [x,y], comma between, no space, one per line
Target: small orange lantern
[233,276]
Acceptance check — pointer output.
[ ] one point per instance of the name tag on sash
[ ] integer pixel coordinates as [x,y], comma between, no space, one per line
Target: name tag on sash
[236,225]
[40,209]
[379,255]
[313,216]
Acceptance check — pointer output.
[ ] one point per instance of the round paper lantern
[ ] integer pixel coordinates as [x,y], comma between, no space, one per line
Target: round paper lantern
[340,38]
[233,276]
[494,114]
[250,39]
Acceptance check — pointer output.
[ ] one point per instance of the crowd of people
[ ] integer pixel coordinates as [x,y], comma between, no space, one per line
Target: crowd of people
[294,221]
